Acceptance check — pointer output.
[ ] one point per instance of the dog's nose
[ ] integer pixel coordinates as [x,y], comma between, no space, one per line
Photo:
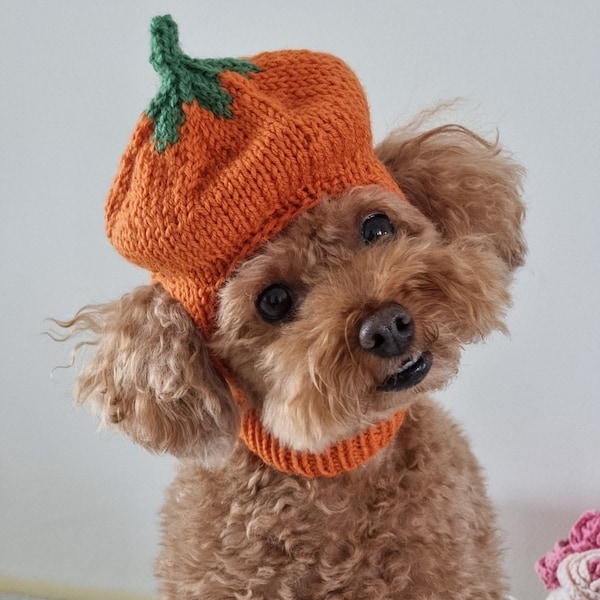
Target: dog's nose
[387,332]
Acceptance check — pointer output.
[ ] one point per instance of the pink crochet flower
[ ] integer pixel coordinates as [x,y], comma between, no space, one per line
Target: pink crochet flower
[547,566]
[584,535]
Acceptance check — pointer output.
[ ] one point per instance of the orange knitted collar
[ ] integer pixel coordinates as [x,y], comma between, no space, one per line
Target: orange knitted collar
[342,457]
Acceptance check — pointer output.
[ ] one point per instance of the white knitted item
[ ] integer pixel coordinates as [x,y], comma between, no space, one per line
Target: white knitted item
[576,582]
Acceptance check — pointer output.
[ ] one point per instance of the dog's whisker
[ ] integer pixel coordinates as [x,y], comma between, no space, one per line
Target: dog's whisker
[347,327]
[315,377]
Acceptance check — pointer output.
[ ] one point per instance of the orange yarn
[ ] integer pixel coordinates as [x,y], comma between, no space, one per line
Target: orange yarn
[228,153]
[342,457]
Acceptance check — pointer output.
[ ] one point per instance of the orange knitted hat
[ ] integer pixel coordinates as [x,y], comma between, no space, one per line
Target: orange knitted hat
[229,152]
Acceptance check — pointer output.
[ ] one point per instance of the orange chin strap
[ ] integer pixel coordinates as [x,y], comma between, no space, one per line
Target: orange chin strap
[343,457]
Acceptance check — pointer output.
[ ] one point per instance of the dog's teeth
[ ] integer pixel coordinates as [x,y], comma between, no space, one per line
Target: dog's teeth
[413,371]
[408,364]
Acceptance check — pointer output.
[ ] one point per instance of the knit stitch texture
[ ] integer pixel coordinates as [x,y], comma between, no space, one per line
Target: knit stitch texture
[583,536]
[339,458]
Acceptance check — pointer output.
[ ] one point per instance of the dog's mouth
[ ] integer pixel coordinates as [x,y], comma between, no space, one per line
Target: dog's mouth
[411,372]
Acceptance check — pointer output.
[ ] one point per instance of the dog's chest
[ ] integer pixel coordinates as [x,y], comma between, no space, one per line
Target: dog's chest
[273,534]
[249,530]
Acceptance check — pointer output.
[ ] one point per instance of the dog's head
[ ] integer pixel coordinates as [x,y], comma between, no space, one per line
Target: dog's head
[359,305]
[288,262]
[366,300]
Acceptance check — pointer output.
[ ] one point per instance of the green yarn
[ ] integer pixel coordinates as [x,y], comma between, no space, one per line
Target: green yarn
[184,79]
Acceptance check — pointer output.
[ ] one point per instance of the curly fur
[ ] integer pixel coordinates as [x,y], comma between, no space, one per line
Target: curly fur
[151,377]
[462,182]
[413,522]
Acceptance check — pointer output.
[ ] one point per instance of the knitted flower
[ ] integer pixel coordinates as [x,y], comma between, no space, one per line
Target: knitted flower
[584,536]
[579,577]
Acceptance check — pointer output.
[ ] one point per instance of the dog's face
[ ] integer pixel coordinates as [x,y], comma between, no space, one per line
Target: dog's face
[357,306]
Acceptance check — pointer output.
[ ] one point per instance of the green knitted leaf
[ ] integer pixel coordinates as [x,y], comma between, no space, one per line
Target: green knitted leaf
[184,79]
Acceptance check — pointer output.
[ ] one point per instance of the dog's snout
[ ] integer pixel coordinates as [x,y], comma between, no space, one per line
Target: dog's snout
[387,332]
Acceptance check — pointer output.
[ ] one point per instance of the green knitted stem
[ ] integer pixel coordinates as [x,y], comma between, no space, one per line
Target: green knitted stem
[184,79]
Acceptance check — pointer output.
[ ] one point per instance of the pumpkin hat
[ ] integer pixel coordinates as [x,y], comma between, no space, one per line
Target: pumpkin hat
[229,152]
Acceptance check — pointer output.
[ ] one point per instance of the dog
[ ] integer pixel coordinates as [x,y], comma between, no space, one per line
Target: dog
[336,327]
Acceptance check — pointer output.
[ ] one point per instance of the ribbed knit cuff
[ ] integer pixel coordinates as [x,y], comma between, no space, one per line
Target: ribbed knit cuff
[343,457]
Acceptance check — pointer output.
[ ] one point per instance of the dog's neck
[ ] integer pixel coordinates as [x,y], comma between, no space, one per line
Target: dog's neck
[342,457]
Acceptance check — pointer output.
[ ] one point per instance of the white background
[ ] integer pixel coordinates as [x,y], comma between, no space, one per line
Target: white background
[79,507]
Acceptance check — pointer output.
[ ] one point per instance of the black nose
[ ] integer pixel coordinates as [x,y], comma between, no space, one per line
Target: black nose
[387,332]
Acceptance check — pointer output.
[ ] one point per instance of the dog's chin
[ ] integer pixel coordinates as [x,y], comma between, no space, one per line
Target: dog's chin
[410,373]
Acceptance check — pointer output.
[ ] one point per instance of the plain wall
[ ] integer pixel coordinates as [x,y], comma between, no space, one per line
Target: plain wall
[80,508]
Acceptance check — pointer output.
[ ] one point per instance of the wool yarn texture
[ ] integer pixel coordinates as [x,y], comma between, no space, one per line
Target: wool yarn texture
[583,536]
[227,154]
[578,577]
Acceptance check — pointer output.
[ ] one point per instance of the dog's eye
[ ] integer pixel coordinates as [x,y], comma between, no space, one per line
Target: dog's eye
[375,227]
[275,303]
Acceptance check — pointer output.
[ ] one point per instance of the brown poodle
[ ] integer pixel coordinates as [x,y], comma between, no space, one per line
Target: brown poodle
[358,309]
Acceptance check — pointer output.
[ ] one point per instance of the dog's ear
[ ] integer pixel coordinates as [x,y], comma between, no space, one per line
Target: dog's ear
[150,376]
[464,184]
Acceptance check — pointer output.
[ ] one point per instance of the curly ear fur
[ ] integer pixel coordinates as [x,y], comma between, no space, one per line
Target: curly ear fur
[461,182]
[150,377]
